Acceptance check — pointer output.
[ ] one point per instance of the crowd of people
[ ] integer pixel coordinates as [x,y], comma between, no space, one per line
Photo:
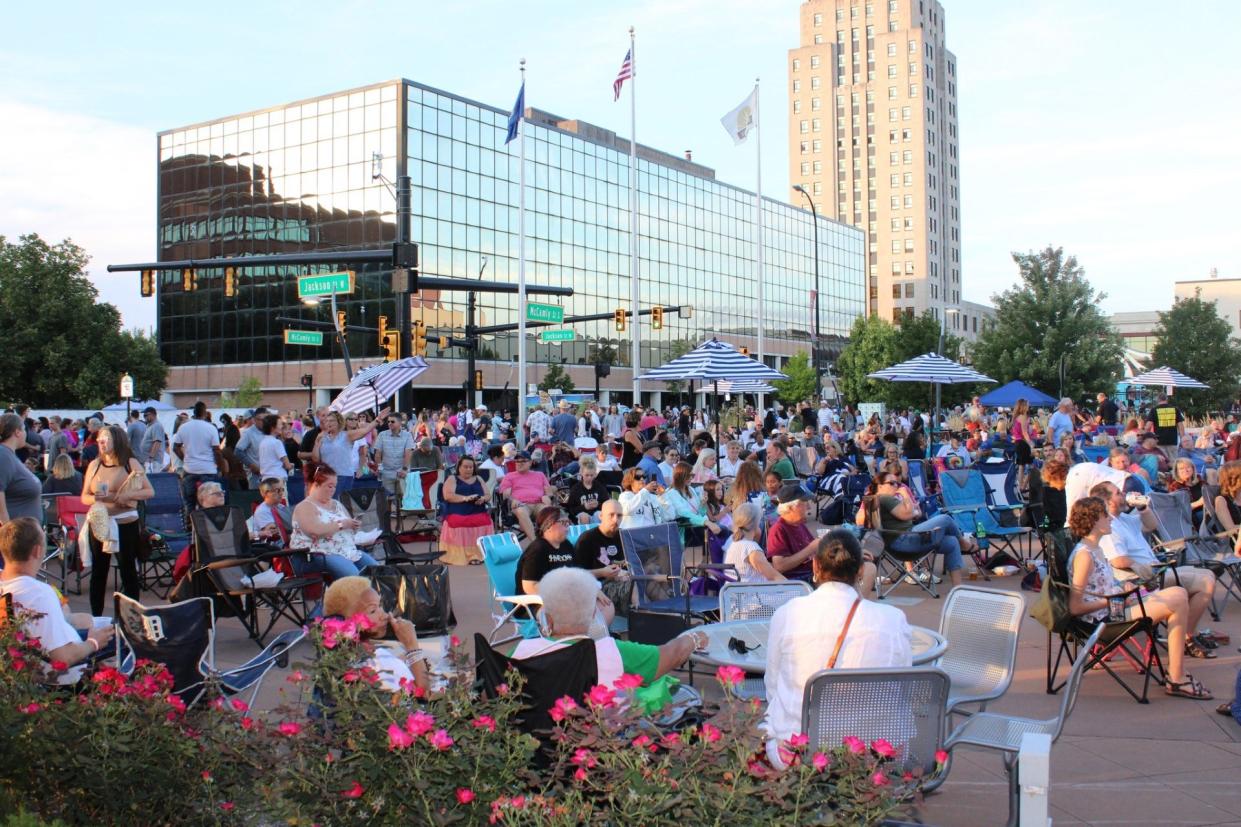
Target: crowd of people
[738,485]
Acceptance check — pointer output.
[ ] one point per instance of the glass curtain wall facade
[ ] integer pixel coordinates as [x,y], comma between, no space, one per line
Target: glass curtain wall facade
[300,178]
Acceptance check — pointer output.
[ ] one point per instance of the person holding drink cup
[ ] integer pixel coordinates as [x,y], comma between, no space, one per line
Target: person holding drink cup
[1093,588]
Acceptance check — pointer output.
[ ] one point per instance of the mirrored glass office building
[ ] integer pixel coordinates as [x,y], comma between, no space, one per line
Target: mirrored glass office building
[316,175]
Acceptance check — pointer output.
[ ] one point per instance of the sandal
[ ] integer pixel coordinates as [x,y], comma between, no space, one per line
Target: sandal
[1195,650]
[1225,709]
[1205,640]
[1188,688]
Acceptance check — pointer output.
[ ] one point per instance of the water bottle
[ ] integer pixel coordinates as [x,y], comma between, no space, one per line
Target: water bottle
[981,534]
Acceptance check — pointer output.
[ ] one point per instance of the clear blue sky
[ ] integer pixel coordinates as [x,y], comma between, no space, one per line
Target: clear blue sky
[1110,128]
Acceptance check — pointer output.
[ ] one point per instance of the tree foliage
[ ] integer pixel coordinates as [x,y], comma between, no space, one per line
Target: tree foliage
[1051,315]
[800,383]
[557,377]
[875,344]
[62,347]
[249,394]
[1197,341]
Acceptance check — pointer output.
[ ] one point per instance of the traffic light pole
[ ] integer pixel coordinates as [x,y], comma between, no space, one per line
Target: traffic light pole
[404,309]
[471,353]
[344,342]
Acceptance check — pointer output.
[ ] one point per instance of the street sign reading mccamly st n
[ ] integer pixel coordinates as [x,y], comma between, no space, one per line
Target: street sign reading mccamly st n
[536,312]
[303,337]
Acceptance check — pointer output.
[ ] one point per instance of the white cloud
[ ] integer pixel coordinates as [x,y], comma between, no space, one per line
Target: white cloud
[90,180]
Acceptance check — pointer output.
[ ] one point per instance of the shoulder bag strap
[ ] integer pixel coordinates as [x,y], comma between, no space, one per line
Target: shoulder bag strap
[831,662]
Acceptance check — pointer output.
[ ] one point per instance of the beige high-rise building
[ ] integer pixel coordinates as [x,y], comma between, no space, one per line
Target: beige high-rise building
[873,134]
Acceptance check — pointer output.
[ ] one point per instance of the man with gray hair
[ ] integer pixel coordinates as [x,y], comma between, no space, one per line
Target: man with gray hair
[573,607]
[426,457]
[1061,421]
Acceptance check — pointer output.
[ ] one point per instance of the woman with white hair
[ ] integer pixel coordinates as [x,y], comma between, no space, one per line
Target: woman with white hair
[571,599]
[744,552]
[704,467]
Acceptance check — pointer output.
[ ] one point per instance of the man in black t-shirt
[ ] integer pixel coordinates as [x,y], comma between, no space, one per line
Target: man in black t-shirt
[602,544]
[1108,410]
[1168,423]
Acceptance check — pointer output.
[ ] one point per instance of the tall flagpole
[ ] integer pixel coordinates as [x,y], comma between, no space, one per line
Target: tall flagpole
[635,320]
[521,268]
[758,221]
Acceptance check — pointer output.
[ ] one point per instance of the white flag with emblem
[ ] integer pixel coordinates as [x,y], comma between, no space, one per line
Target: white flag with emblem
[742,121]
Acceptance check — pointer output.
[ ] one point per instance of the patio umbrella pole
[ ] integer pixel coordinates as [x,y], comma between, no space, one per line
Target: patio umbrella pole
[716,399]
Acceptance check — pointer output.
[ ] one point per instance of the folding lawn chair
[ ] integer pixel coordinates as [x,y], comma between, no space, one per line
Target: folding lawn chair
[501,554]
[964,493]
[181,636]
[655,558]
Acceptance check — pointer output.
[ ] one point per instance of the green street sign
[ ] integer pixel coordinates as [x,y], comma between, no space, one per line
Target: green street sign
[536,312]
[566,335]
[324,284]
[303,337]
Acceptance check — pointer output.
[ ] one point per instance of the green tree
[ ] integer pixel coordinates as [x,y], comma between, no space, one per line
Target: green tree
[62,347]
[800,383]
[1048,323]
[875,344]
[557,377]
[677,349]
[1195,339]
[249,394]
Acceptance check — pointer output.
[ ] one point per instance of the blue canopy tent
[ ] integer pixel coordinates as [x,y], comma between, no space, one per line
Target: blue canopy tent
[1006,396]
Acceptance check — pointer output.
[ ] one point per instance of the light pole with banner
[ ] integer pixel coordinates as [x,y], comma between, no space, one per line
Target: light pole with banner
[127,393]
[814,348]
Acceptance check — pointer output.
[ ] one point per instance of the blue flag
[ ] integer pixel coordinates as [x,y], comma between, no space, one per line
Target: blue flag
[519,112]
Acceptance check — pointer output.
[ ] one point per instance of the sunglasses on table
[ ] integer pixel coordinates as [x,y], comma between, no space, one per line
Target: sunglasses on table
[736,644]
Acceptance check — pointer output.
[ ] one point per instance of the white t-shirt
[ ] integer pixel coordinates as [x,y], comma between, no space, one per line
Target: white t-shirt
[390,666]
[738,554]
[271,458]
[1085,476]
[198,439]
[728,467]
[1126,540]
[51,630]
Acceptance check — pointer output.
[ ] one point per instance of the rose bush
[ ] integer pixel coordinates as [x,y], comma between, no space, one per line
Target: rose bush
[342,750]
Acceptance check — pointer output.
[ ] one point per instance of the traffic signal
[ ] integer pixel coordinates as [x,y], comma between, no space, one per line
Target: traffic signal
[340,324]
[657,317]
[389,341]
[619,317]
[420,338]
[189,280]
[148,283]
[745,351]
[478,380]
[230,282]
[308,380]
[443,343]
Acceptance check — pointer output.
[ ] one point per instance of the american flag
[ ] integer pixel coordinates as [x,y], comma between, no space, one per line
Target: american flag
[626,72]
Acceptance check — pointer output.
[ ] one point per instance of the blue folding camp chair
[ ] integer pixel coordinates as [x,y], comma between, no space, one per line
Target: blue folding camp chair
[964,493]
[576,531]
[654,555]
[917,481]
[1096,453]
[1001,480]
[501,554]
[163,515]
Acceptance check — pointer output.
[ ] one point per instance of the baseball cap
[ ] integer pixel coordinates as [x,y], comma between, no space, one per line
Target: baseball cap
[148,410]
[522,455]
[791,492]
[646,446]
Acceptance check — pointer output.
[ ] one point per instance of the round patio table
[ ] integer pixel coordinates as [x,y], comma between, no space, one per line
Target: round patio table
[927,645]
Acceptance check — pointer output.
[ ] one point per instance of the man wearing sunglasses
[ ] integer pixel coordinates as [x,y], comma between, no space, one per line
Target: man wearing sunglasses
[528,492]
[393,451]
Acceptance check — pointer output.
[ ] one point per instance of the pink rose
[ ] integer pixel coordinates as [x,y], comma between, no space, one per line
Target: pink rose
[600,695]
[854,744]
[290,728]
[464,795]
[941,757]
[579,774]
[883,748]
[710,734]
[583,757]
[799,739]
[819,761]
[879,779]
[560,709]
[419,723]
[398,738]
[730,676]
[240,705]
[627,681]
[441,740]
[354,792]
[485,722]
[227,806]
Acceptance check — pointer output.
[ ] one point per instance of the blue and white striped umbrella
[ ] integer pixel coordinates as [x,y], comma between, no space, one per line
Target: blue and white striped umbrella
[744,386]
[378,382]
[932,368]
[713,361]
[1166,377]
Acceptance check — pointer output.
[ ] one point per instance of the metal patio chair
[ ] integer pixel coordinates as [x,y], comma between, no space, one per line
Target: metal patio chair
[981,627]
[756,601]
[989,730]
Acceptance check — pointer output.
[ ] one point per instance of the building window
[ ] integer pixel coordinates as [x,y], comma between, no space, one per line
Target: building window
[906,135]
[909,290]
[803,147]
[909,268]
[805,167]
[909,202]
[896,268]
[909,179]
[815,125]
[891,70]
[840,14]
[907,156]
[909,223]
[891,50]
[895,179]
[796,64]
[913,68]
[906,113]
[892,26]
[913,90]
[870,32]
[796,106]
[913,47]
[891,6]
[818,188]
[814,104]
[814,61]
[896,224]
[893,158]
[891,93]
[818,145]
[892,115]
[814,82]
[909,245]
[818,167]
[896,202]
[805,127]
[818,39]
[796,86]
[896,290]
[818,20]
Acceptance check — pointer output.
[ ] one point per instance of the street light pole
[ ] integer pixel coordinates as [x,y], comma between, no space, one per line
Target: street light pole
[814,350]
[943,329]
